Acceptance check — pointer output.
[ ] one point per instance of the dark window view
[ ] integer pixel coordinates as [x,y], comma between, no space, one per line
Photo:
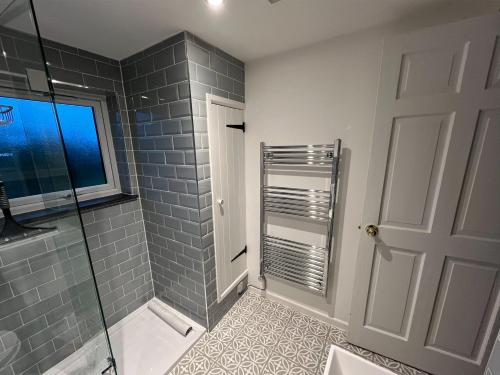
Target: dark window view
[31,144]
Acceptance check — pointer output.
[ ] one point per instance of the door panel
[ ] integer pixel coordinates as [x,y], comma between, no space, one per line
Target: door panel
[226,148]
[433,71]
[414,164]
[478,209]
[391,300]
[465,295]
[494,75]
[427,285]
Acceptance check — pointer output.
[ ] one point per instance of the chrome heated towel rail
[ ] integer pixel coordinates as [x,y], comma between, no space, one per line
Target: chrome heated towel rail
[299,263]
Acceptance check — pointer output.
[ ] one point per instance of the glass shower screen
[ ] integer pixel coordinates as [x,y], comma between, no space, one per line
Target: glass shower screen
[50,313]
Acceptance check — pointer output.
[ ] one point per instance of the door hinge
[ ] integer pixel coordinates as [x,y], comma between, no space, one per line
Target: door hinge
[240,127]
[240,254]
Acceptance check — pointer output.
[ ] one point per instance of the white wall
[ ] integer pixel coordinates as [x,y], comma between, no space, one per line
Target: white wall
[313,95]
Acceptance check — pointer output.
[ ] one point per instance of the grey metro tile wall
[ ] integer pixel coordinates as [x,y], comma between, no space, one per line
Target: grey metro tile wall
[47,296]
[118,250]
[48,305]
[211,71]
[156,83]
[48,302]
[73,66]
[161,245]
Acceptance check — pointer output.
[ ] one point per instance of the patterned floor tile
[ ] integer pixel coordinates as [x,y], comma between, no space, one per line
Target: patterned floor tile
[259,336]
[278,365]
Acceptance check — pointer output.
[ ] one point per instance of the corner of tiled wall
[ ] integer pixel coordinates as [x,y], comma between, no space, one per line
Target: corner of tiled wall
[165,87]
[159,110]
[211,71]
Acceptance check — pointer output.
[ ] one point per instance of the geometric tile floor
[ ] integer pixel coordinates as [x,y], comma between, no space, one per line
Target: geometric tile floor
[262,337]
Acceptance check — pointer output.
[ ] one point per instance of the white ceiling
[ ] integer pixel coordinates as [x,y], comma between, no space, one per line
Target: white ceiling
[247,29]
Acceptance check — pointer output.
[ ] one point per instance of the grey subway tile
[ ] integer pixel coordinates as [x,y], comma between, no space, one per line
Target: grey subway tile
[177,73]
[180,52]
[168,94]
[145,65]
[108,71]
[164,58]
[180,108]
[18,252]
[30,281]
[218,64]
[206,76]
[197,54]
[80,64]
[156,79]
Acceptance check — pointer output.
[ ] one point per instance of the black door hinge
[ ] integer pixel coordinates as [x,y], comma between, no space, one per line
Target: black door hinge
[239,254]
[240,127]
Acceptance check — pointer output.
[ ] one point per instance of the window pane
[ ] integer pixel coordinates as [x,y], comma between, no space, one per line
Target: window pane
[17,165]
[82,145]
[31,158]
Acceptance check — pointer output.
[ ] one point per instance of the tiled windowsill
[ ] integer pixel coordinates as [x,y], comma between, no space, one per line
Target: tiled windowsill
[68,210]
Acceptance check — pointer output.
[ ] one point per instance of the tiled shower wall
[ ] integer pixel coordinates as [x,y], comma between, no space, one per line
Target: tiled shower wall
[167,111]
[46,296]
[156,156]
[118,249]
[69,65]
[47,307]
[158,100]
[211,71]
[102,76]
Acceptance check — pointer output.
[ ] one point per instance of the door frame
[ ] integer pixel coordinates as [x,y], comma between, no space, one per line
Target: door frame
[218,100]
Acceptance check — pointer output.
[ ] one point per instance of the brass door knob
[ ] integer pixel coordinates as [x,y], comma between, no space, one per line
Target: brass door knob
[371,230]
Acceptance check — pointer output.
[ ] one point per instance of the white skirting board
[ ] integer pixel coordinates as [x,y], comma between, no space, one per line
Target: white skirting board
[142,343]
[321,316]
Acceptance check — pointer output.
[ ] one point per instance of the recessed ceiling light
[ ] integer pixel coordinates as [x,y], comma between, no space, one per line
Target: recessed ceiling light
[215,3]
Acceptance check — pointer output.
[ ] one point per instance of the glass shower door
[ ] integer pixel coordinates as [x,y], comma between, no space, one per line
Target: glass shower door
[51,319]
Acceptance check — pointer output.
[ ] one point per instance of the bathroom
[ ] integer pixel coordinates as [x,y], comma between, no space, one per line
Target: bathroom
[213,187]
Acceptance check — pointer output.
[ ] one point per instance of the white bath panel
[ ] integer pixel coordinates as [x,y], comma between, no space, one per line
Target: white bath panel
[342,362]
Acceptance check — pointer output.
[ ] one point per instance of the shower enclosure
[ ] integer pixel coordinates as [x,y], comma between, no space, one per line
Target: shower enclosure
[49,304]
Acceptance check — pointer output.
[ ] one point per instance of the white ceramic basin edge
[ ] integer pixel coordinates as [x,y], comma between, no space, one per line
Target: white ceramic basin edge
[343,362]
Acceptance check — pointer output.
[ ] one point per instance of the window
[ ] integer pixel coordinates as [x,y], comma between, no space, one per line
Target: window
[32,159]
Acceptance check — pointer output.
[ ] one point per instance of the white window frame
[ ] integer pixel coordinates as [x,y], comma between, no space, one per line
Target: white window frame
[103,127]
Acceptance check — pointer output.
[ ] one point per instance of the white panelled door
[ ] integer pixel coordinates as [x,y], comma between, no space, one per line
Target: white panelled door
[427,288]
[227,171]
